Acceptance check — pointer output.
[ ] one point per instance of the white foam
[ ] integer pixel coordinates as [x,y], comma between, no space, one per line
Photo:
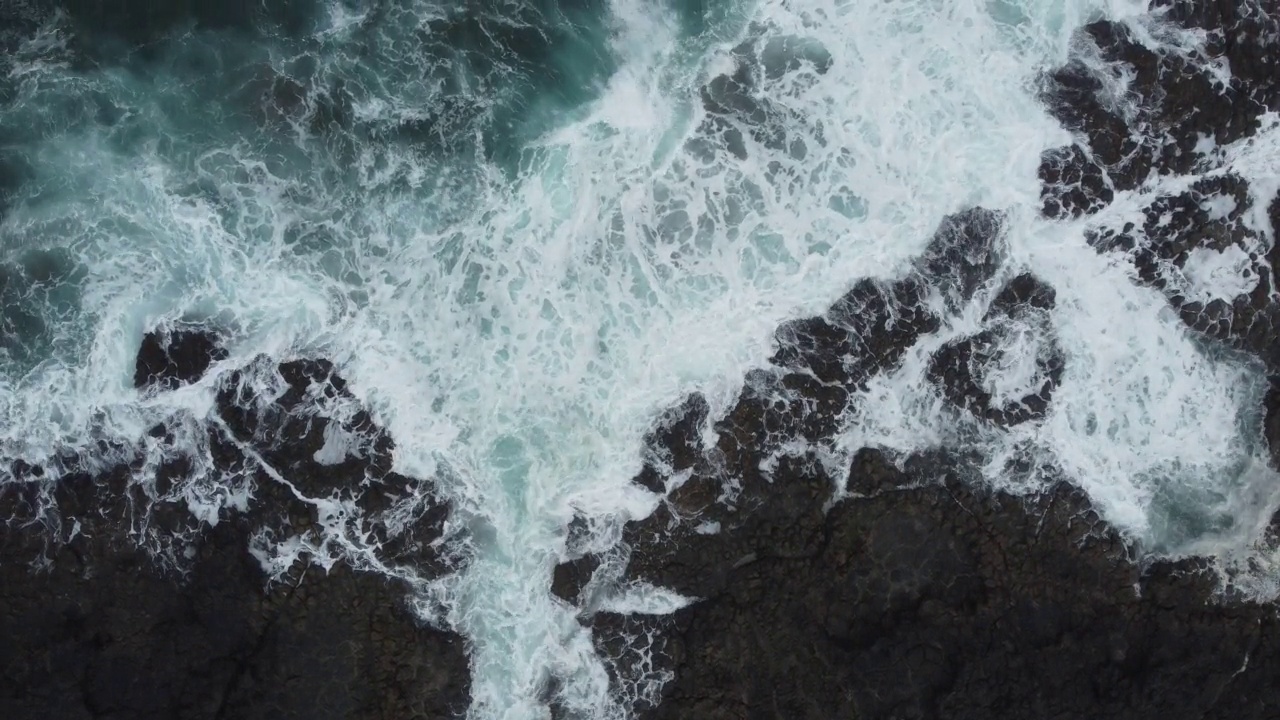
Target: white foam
[339,444]
[1213,274]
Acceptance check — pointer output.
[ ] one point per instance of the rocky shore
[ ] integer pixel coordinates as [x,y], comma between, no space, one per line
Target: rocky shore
[915,593]
[121,603]
[895,587]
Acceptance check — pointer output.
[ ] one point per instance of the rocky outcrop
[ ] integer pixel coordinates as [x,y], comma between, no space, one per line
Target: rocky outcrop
[117,601]
[966,369]
[1208,218]
[798,398]
[923,597]
[751,504]
[170,358]
[102,633]
[916,592]
[1139,110]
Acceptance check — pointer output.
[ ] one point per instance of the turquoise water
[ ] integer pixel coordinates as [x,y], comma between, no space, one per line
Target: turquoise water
[523,228]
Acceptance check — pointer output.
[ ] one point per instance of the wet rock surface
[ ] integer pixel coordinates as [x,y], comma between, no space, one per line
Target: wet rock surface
[915,596]
[118,601]
[170,358]
[1207,222]
[799,398]
[964,369]
[920,594]
[921,597]
[1141,114]
[1139,111]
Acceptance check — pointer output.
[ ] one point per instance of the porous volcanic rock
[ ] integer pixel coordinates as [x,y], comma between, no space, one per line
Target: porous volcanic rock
[1139,111]
[169,358]
[116,601]
[923,597]
[960,367]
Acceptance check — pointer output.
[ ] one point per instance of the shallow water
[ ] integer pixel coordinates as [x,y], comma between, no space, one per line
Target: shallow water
[520,233]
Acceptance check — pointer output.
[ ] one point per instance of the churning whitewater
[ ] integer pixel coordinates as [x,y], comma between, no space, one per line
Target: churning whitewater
[521,230]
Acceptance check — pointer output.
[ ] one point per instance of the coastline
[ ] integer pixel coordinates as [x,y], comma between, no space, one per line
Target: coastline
[895,587]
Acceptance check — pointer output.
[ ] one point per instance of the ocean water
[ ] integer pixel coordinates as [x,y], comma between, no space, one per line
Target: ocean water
[520,235]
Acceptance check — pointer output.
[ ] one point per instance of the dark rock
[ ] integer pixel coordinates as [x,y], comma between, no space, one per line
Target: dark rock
[929,598]
[1171,101]
[1176,225]
[819,362]
[117,601]
[1271,418]
[170,358]
[103,633]
[962,367]
[869,329]
[569,578]
[1245,34]
[344,457]
[1072,183]
[963,254]
[920,593]
[1026,291]
[675,444]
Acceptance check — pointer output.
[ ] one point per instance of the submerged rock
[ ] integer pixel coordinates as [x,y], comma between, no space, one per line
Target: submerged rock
[739,117]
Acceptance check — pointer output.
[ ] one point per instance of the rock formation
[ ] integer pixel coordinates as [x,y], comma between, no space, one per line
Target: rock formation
[118,602]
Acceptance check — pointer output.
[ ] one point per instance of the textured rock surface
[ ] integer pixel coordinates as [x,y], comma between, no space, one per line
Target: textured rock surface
[171,358]
[103,634]
[116,602]
[1176,226]
[920,595]
[1173,113]
[939,601]
[962,369]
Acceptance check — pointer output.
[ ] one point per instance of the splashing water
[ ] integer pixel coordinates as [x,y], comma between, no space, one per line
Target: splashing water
[522,229]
